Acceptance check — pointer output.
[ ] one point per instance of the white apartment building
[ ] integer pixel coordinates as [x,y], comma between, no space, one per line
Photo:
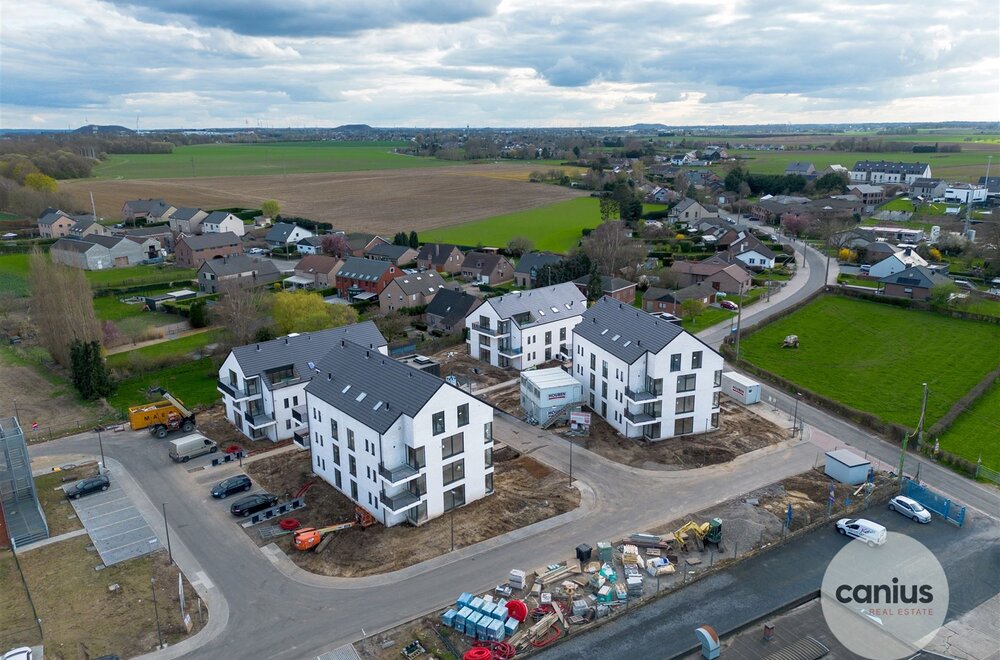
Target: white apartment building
[882,171]
[402,443]
[525,328]
[648,378]
[263,385]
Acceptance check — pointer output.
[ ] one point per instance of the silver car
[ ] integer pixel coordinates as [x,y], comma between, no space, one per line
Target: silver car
[910,508]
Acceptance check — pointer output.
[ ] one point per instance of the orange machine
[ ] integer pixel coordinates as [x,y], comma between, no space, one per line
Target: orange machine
[310,537]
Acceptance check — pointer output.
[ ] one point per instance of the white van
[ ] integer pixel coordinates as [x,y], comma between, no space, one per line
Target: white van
[184,449]
[870,532]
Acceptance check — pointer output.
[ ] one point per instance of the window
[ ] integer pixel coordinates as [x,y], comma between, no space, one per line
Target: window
[488,431]
[654,385]
[579,349]
[453,444]
[489,482]
[604,408]
[593,361]
[684,404]
[686,383]
[452,472]
[715,420]
[437,421]
[604,368]
[548,337]
[696,360]
[454,498]
[350,439]
[354,490]
[675,362]
[295,401]
[287,403]
[718,379]
[368,473]
[288,424]
[463,414]
[683,425]
[352,466]
[484,340]
[366,445]
[336,455]
[562,334]
[604,389]
[336,479]
[715,399]
[591,400]
[488,452]
[593,381]
[333,429]
[233,380]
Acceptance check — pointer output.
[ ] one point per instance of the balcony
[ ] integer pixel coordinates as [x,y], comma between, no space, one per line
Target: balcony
[259,420]
[492,332]
[639,418]
[400,502]
[640,396]
[510,351]
[285,382]
[301,438]
[399,474]
[300,415]
[236,394]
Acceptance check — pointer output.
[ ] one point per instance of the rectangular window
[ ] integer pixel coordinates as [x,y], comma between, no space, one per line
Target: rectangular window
[604,389]
[288,403]
[715,399]
[336,479]
[593,381]
[591,400]
[354,490]
[295,400]
[352,466]
[437,422]
[654,385]
[488,452]
[288,424]
[454,498]
[368,472]
[593,361]
[489,482]
[452,472]
[488,432]
[233,380]
[463,414]
[580,349]
[562,334]
[696,360]
[604,408]
[683,425]
[336,455]
[684,404]
[686,383]
[333,429]
[718,378]
[453,444]
[715,420]
[548,337]
[604,368]
[484,340]
[350,439]
[675,362]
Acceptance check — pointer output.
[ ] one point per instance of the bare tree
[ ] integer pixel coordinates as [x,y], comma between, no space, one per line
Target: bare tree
[611,249]
[62,306]
[242,311]
[519,245]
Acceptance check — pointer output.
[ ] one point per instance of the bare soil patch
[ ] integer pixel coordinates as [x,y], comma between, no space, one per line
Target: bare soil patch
[382,201]
[456,361]
[212,423]
[526,492]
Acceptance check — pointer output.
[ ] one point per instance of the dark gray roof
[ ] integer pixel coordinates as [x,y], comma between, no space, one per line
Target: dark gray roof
[185,213]
[608,284]
[886,166]
[215,217]
[881,247]
[532,262]
[800,167]
[451,305]
[155,207]
[992,183]
[206,241]
[697,290]
[280,232]
[357,268]
[684,204]
[358,240]
[241,263]
[50,215]
[149,230]
[107,241]
[918,276]
[750,242]
[370,387]
[427,283]
[315,241]
[544,304]
[72,245]
[83,225]
[394,252]
[436,253]
[624,331]
[301,349]
[482,261]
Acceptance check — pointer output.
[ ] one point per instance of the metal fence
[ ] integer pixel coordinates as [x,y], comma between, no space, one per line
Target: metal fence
[986,473]
[275,511]
[935,502]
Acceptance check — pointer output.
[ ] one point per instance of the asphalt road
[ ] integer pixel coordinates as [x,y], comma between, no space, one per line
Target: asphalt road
[733,598]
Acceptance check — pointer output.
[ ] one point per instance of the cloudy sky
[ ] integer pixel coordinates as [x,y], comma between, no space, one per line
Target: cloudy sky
[209,63]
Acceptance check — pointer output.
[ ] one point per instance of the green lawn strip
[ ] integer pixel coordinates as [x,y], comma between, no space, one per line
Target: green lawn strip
[192,382]
[59,512]
[139,275]
[974,433]
[14,273]
[17,624]
[898,204]
[707,319]
[874,357]
[180,346]
[854,280]
[111,308]
[556,227]
[982,306]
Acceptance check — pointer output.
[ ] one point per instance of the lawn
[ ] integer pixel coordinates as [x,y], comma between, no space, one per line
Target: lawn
[556,227]
[192,382]
[180,346]
[898,204]
[707,319]
[254,159]
[139,275]
[58,511]
[854,280]
[874,357]
[14,273]
[974,433]
[111,308]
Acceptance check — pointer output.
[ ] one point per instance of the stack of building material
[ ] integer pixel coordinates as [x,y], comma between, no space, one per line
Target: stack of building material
[579,607]
[510,626]
[448,618]
[621,591]
[630,554]
[551,574]
[659,566]
[604,594]
[517,579]
[460,619]
[604,552]
[472,623]
[634,587]
[597,580]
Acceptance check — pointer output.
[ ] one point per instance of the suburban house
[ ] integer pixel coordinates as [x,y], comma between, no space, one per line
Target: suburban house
[928,188]
[186,220]
[360,243]
[310,245]
[689,211]
[96,252]
[668,300]
[895,263]
[770,208]
[856,238]
[526,272]
[447,312]
[263,383]
[282,233]
[442,257]
[364,279]
[316,271]
[216,275]
[881,171]
[88,227]
[400,255]
[876,251]
[751,252]
[218,222]
[401,443]
[807,170]
[487,267]
[647,377]
[526,328]
[869,195]
[410,290]
[160,233]
[613,287]
[193,251]
[54,223]
[915,283]
[965,193]
[728,278]
[147,211]
[898,234]
[149,245]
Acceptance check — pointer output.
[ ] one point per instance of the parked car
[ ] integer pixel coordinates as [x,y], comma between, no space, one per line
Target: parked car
[910,508]
[87,486]
[232,485]
[870,532]
[253,504]
[964,284]
[729,304]
[256,251]
[22,653]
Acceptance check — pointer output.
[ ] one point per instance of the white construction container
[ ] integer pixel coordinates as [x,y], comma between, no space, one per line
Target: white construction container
[739,388]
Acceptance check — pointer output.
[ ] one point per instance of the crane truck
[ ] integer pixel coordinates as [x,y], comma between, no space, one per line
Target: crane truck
[162,417]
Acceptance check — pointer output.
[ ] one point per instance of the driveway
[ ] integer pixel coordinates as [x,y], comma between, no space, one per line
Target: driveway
[116,527]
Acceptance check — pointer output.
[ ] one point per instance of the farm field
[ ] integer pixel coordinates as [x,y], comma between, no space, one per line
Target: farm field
[556,227]
[874,357]
[974,432]
[282,158]
[386,201]
[963,166]
[192,382]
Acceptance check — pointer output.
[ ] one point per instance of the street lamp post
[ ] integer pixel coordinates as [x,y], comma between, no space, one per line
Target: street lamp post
[795,418]
[571,461]
[166,528]
[100,443]
[453,507]
[156,612]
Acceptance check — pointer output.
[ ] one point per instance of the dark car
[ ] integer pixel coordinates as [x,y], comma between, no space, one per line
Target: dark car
[88,486]
[253,504]
[237,484]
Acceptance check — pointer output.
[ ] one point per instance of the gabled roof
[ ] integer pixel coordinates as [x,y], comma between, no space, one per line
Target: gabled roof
[390,251]
[624,331]
[750,242]
[370,387]
[240,264]
[357,268]
[698,290]
[917,276]
[315,241]
[359,240]
[892,168]
[207,241]
[881,247]
[427,282]
[280,232]
[437,253]
[544,304]
[215,217]
[154,207]
[608,284]
[317,263]
[482,261]
[149,230]
[684,204]
[185,213]
[106,241]
[451,305]
[535,261]
[800,167]
[72,245]
[83,225]
[50,216]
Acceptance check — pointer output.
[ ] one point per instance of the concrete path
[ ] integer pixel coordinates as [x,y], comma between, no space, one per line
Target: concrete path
[124,348]
[49,541]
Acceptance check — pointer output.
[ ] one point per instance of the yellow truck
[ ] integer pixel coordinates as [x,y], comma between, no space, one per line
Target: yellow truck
[161,417]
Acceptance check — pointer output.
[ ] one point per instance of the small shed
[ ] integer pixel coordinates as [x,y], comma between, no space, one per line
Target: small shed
[545,391]
[847,467]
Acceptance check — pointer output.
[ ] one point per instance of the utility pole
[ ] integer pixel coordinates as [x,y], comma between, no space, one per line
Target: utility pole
[166,528]
[906,438]
[920,425]
[104,465]
[156,613]
[739,323]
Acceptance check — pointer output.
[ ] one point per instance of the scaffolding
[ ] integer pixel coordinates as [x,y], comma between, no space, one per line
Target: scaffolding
[21,512]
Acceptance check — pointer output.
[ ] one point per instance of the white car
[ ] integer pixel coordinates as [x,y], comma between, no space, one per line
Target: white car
[870,532]
[910,508]
[256,251]
[23,653]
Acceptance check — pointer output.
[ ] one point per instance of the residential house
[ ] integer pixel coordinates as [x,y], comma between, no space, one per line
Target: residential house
[689,211]
[217,275]
[856,238]
[88,227]
[876,251]
[193,251]
[401,443]
[870,171]
[159,233]
[871,196]
[283,234]
[487,267]
[264,384]
[53,223]
[447,312]
[965,193]
[360,243]
[149,245]
[310,245]
[526,328]
[660,195]
[96,252]
[364,279]
[930,188]
[408,290]
[895,263]
[647,377]
[801,168]
[315,271]
[531,263]
[898,234]
[218,222]
[146,211]
[657,299]
[400,255]
[915,283]
[613,287]
[992,185]
[722,276]
[770,208]
[186,220]
[442,257]
[751,252]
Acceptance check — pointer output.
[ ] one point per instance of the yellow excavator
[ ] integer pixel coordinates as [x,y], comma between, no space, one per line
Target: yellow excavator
[709,532]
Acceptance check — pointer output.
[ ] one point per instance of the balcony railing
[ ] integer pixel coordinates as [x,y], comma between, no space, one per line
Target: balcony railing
[259,420]
[300,414]
[237,394]
[492,332]
[399,502]
[285,382]
[399,474]
[510,351]
[640,396]
[639,418]
[301,437]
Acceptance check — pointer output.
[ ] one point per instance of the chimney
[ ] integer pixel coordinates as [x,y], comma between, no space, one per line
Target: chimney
[329,375]
[367,354]
[343,343]
[258,347]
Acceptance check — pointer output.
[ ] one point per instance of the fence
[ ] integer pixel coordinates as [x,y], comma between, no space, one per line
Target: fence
[275,511]
[229,458]
[986,473]
[934,502]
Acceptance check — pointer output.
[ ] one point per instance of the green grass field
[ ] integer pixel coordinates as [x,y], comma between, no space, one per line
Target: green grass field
[192,382]
[14,273]
[556,227]
[110,308]
[898,204]
[181,346]
[874,357]
[974,433]
[252,159]
[965,166]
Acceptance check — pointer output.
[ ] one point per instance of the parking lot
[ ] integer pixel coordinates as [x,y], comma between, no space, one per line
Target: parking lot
[116,528]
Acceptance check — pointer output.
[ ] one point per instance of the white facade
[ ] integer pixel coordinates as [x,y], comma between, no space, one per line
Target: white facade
[896,263]
[258,408]
[965,193]
[755,259]
[230,222]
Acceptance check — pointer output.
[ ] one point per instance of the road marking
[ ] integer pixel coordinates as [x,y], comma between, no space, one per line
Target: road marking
[203,580]
[118,522]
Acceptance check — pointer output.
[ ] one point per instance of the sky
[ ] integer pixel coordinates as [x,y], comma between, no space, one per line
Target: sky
[447,63]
